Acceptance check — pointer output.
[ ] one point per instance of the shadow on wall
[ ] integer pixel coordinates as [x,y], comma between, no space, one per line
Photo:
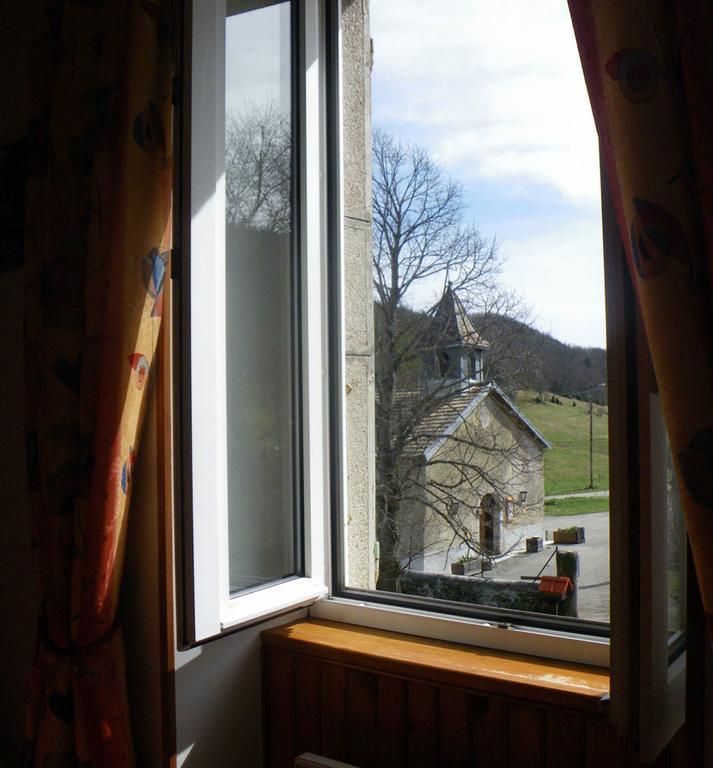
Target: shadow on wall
[219,699]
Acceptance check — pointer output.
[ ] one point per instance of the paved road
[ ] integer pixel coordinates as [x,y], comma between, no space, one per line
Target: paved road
[593,598]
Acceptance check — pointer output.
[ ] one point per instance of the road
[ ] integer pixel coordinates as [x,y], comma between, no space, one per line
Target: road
[593,597]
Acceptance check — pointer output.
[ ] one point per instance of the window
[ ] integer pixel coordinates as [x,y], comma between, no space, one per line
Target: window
[277,374]
[446,386]
[262,298]
[251,337]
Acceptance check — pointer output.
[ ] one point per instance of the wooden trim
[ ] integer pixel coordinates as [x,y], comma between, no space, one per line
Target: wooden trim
[180,369]
[551,683]
[165,539]
[164,430]
[622,378]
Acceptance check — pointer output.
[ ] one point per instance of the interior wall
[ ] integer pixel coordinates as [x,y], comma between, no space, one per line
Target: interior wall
[219,700]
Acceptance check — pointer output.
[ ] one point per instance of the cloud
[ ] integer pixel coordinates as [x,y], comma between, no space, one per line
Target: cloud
[258,59]
[561,272]
[495,89]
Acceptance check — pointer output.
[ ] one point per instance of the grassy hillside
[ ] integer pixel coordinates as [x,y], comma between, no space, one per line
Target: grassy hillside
[566,427]
[575,506]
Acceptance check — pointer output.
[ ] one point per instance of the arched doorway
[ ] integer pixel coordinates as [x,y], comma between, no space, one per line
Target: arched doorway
[490,524]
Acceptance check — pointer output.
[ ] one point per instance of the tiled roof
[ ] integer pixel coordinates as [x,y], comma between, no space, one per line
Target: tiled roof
[450,411]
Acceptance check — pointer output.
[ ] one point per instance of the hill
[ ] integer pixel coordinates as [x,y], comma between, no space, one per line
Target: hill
[566,427]
[522,357]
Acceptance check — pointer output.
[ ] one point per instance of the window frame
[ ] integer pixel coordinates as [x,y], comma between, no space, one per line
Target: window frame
[205,607]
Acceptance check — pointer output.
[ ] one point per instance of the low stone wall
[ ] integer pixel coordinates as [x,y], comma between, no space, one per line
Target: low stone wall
[513,595]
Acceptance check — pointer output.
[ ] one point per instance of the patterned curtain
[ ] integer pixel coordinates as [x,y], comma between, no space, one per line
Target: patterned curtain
[649,70]
[98,216]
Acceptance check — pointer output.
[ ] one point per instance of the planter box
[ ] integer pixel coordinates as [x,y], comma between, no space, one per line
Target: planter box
[569,536]
[533,545]
[464,569]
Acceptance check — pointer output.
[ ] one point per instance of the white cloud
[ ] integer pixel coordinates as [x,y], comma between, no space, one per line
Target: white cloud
[257,66]
[495,89]
[561,273]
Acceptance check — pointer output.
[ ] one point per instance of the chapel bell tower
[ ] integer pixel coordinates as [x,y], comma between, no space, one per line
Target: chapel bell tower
[453,354]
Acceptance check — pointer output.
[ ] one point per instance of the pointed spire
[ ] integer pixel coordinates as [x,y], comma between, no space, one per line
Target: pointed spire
[451,326]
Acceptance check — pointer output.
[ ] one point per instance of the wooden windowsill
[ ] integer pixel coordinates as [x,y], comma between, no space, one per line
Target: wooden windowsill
[477,670]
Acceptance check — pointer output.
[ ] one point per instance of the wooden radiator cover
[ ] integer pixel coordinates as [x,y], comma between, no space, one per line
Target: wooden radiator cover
[381,700]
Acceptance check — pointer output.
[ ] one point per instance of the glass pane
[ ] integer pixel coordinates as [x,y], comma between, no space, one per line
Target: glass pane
[259,267]
[475,361]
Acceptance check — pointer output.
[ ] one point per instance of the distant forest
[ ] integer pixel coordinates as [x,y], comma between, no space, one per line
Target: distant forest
[549,365]
[520,357]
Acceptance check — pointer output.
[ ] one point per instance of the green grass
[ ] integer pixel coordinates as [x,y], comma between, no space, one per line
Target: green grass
[567,430]
[585,506]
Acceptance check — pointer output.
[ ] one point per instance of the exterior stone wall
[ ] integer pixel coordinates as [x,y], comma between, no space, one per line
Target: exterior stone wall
[513,595]
[359,526]
[511,461]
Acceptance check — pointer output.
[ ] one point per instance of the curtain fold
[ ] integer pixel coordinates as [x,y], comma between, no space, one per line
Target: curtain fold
[97,244]
[648,65]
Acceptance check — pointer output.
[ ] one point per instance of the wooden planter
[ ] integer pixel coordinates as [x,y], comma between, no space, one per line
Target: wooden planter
[465,569]
[569,536]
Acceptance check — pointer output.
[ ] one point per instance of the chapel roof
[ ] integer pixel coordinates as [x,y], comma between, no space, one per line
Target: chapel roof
[450,325]
[451,411]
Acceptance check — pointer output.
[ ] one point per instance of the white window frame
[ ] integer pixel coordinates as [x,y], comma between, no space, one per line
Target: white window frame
[214,609]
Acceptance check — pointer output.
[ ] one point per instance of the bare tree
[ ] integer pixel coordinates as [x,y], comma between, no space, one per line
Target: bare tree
[258,167]
[421,240]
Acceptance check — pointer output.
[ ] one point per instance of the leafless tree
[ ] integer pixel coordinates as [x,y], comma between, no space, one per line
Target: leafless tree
[258,167]
[421,239]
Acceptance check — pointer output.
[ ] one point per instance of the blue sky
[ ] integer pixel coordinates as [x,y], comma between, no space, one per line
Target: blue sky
[495,91]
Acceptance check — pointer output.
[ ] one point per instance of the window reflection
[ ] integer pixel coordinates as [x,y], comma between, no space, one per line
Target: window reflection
[259,277]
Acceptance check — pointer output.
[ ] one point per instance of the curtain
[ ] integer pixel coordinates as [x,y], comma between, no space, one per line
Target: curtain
[97,242]
[649,70]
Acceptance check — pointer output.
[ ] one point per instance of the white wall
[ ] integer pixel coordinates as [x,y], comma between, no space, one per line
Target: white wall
[219,700]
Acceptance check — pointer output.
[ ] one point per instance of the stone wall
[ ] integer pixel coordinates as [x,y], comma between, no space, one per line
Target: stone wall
[358,291]
[513,595]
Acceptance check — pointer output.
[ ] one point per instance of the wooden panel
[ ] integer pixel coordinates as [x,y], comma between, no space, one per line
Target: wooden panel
[526,738]
[454,735]
[565,740]
[279,709]
[421,721]
[364,716]
[333,689]
[307,705]
[362,731]
[571,686]
[392,722]
[489,732]
[602,745]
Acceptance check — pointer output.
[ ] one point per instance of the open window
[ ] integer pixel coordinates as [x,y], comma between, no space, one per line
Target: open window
[250,329]
[280,472]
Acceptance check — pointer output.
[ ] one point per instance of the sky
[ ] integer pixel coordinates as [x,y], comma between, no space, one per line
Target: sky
[257,58]
[495,92]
